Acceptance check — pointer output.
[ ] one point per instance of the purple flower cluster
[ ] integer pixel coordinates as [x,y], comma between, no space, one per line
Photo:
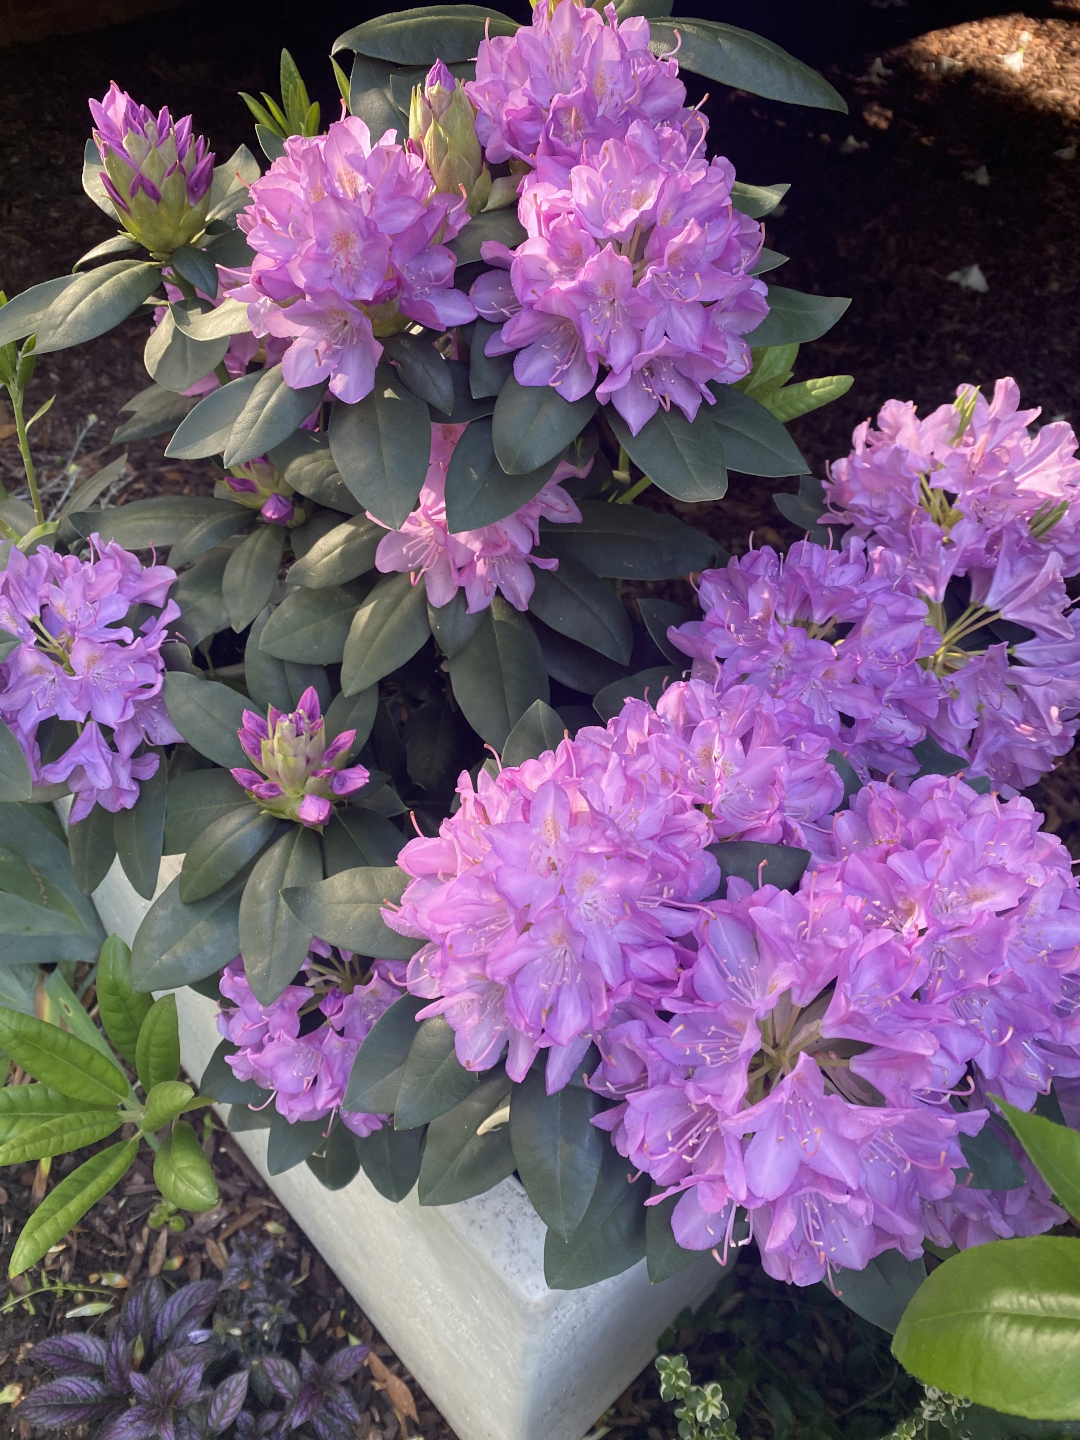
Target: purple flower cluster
[77,661]
[836,635]
[805,1064]
[560,890]
[636,258]
[494,557]
[970,495]
[299,774]
[156,173]
[348,238]
[302,1046]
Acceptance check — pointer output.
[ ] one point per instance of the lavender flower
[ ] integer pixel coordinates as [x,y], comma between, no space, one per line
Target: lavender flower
[299,775]
[156,174]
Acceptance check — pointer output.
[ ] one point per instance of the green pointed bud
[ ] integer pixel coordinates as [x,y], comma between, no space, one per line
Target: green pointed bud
[442,119]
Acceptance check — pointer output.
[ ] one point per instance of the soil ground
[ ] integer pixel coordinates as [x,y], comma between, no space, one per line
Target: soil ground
[953,155]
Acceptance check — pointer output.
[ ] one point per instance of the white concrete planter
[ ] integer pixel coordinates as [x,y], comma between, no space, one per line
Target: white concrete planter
[458,1290]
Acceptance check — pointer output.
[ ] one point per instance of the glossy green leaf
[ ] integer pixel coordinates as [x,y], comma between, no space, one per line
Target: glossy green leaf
[389,628]
[356,837]
[194,801]
[452,625]
[355,713]
[426,34]
[174,359]
[177,944]
[800,399]
[155,411]
[794,317]
[1000,1324]
[680,457]
[208,715]
[337,1161]
[343,553]
[16,782]
[162,520]
[289,1145]
[1054,1150]
[206,430]
[94,302]
[220,322]
[665,1256]
[501,225]
[221,1085]
[229,187]
[164,1102]
[487,373]
[991,1165]
[71,1014]
[628,542]
[122,1011]
[370,99]
[433,1080]
[479,492]
[60,1134]
[532,424]
[557,1151]
[611,1235]
[61,1061]
[223,849]
[381,447]
[499,673]
[743,60]
[182,1172]
[761,864]
[645,685]
[422,369]
[539,729]
[305,462]
[157,1050]
[458,1162]
[264,675]
[754,441]
[574,601]
[23,313]
[273,941]
[436,740]
[69,1202]
[139,833]
[251,573]
[391,1160]
[310,626]
[380,1062]
[345,911]
[24,1107]
[881,1292]
[272,412]
[196,266]
[660,616]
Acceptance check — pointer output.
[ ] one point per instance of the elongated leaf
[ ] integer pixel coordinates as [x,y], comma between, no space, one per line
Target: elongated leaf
[182,1172]
[336,1163]
[743,60]
[1000,1324]
[391,1160]
[251,573]
[177,944]
[422,369]
[122,1011]
[659,617]
[96,485]
[157,1050]
[683,459]
[345,911]
[499,673]
[355,713]
[175,360]
[433,1080]
[24,1107]
[289,1145]
[229,187]
[478,491]
[223,849]
[208,715]
[432,32]
[881,1292]
[611,1235]
[61,1061]
[1055,1150]
[452,625]
[388,629]
[753,440]
[196,266]
[156,410]
[310,626]
[70,1201]
[221,322]
[487,373]
[46,867]
[665,1256]
[381,447]
[502,225]
[305,461]
[532,424]
[221,1085]
[164,520]
[458,1163]
[343,553]
[16,782]
[574,601]
[357,837]
[94,302]
[779,865]
[370,98]
[626,542]
[795,400]
[991,1165]
[60,1134]
[207,429]
[272,412]
[194,802]
[557,1151]
[139,833]
[794,317]
[69,1012]
[645,685]
[273,941]
[380,1063]
[539,729]
[23,313]
[91,181]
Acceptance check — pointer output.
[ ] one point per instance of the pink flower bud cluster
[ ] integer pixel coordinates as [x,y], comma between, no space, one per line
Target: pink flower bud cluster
[494,557]
[348,236]
[300,775]
[804,1066]
[562,888]
[302,1047]
[970,493]
[78,662]
[836,635]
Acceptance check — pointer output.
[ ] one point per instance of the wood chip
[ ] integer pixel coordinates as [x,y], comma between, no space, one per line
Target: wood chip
[158,1253]
[215,1254]
[399,1394]
[251,1213]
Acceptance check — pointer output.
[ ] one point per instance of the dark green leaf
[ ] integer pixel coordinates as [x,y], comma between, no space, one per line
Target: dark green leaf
[36,864]
[624,9]
[23,313]
[466,407]
[645,685]
[499,673]
[242,1117]
[208,715]
[1054,1149]
[195,265]
[452,625]
[272,412]
[264,676]
[273,942]
[156,410]
[341,554]
[207,429]
[881,1292]
[435,737]
[665,1256]
[198,593]
[91,180]
[289,1145]
[222,1086]
[539,729]
[380,1062]
[369,97]
[61,1061]
[122,1011]
[60,1134]
[69,1202]
[557,1150]
[611,1235]
[310,626]
[176,361]
[356,837]
[500,225]
[16,782]
[478,491]
[1000,1324]
[182,1172]
[422,368]
[381,447]
[177,944]
[305,462]
[743,60]
[94,302]
[990,1164]
[683,459]
[760,864]
[847,772]
[391,1160]
[432,32]
[458,1163]
[195,800]
[769,260]
[204,536]
[660,616]
[574,665]
[214,322]
[139,833]
[229,187]
[532,424]
[270,142]
[487,373]
[433,1080]
[574,601]
[353,712]
[794,317]
[163,520]
[157,1050]
[344,910]
[223,849]
[754,441]
[627,542]
[251,572]
[388,629]
[337,1162]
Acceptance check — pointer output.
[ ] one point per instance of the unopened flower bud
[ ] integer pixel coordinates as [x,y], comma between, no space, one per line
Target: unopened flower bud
[157,174]
[443,121]
[257,484]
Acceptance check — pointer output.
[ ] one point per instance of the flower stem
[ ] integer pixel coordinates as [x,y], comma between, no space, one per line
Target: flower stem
[634,491]
[15,394]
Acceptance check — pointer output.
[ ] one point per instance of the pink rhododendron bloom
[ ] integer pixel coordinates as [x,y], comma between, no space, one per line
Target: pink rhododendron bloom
[480,562]
[78,662]
[349,239]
